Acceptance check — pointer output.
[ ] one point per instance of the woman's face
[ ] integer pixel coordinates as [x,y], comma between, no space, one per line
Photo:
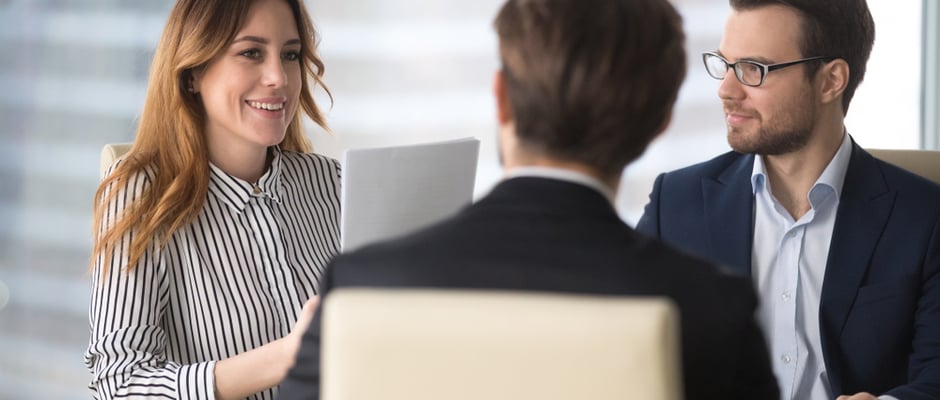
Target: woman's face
[250,92]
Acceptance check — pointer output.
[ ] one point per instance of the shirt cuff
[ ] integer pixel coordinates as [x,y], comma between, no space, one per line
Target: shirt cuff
[196,381]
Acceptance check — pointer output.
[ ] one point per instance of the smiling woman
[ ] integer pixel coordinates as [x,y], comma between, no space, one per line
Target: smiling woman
[250,91]
[213,231]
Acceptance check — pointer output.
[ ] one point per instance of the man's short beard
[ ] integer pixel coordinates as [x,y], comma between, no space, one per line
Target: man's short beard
[772,142]
[786,134]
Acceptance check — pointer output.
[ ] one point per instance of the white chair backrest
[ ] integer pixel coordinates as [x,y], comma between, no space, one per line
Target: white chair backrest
[110,153]
[925,163]
[455,345]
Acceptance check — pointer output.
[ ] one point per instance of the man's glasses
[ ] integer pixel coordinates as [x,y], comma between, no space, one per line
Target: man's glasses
[749,73]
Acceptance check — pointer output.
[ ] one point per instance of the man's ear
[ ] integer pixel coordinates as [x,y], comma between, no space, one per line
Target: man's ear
[503,107]
[833,78]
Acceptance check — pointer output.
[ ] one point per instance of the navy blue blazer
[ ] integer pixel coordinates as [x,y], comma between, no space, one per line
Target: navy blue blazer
[879,311]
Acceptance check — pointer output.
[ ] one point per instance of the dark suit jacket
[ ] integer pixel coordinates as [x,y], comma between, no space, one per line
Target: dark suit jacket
[538,234]
[879,312]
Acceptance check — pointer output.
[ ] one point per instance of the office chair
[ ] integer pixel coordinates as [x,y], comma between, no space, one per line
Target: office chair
[925,163]
[110,153]
[455,345]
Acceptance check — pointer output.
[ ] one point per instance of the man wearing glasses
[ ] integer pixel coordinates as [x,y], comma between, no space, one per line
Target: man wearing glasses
[843,249]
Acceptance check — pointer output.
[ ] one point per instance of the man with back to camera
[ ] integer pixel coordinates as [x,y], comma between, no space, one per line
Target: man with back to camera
[844,249]
[582,91]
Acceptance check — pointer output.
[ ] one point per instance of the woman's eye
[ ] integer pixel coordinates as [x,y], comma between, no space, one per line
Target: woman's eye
[253,54]
[291,56]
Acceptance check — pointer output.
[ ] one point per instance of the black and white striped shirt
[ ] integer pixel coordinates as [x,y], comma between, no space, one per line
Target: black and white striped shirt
[230,281]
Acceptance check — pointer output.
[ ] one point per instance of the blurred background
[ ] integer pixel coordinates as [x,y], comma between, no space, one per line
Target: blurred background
[73,76]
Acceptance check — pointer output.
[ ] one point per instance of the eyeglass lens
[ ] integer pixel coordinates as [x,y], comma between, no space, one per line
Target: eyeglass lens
[746,72]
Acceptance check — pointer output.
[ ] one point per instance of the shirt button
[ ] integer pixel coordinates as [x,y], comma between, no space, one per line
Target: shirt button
[785,296]
[786,359]
[256,189]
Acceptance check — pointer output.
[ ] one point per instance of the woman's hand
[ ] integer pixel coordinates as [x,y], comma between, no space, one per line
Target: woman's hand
[303,322]
[261,368]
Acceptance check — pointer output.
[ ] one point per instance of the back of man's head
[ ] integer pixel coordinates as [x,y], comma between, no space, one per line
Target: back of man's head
[591,81]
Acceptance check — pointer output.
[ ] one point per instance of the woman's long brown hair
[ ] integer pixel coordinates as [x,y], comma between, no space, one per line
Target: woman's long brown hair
[170,140]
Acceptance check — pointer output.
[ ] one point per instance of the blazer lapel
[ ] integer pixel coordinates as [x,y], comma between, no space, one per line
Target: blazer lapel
[864,207]
[729,211]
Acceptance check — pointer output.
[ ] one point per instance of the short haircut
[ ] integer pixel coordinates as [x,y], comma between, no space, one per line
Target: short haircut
[831,28]
[591,81]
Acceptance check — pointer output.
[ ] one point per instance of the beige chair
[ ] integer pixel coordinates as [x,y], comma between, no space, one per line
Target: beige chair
[455,345]
[110,153]
[925,163]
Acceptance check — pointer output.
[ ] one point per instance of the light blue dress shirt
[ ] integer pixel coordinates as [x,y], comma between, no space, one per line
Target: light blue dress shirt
[788,263]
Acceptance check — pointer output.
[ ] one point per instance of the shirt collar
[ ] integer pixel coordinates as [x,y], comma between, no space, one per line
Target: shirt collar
[832,177]
[236,193]
[563,175]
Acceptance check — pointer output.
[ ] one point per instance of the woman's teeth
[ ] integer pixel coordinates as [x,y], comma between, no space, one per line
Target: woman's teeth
[266,106]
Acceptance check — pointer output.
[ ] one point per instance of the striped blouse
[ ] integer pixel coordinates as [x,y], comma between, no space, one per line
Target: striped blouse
[232,280]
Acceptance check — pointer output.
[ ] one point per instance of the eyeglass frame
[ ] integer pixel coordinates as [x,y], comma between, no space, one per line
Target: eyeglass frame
[764,68]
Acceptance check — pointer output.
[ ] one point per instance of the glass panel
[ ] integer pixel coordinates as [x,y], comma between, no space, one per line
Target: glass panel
[931,76]
[73,74]
[886,112]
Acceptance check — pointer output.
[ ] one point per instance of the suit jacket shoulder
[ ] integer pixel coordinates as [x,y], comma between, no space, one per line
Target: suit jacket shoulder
[713,168]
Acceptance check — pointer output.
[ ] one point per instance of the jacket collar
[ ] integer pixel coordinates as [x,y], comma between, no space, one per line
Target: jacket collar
[551,196]
[729,214]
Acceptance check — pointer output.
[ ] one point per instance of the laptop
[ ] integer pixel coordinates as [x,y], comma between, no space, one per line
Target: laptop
[391,191]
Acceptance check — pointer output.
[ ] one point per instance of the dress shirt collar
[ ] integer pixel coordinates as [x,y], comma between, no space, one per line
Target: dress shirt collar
[236,193]
[832,177]
[563,175]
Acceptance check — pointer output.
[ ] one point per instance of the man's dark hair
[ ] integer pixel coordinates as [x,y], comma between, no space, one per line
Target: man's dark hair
[591,81]
[831,28]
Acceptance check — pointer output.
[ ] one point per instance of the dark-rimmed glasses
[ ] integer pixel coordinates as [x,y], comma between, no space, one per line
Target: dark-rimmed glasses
[749,73]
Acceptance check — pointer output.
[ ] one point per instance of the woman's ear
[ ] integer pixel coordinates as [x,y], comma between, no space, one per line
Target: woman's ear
[193,80]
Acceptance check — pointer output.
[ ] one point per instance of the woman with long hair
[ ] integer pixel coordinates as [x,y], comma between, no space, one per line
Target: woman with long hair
[213,231]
